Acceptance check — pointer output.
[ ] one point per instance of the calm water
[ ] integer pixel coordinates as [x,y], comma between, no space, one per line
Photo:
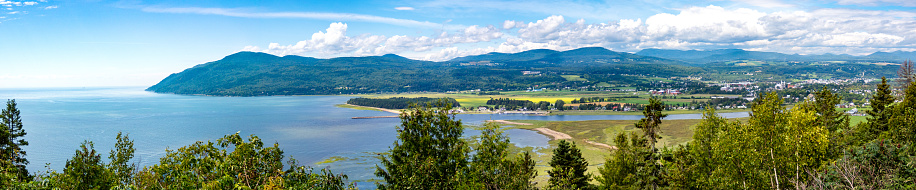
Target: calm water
[308,128]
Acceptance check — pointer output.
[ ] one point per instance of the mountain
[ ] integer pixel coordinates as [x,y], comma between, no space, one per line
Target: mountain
[725,55]
[575,57]
[507,57]
[896,55]
[259,74]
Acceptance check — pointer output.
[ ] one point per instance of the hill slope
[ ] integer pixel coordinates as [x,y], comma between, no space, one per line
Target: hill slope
[258,74]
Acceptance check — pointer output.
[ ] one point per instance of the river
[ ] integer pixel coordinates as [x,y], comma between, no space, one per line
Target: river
[308,128]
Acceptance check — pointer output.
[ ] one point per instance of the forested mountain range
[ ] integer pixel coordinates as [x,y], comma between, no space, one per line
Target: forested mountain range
[260,74]
[725,55]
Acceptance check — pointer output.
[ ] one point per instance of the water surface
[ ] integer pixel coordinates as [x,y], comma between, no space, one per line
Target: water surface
[308,128]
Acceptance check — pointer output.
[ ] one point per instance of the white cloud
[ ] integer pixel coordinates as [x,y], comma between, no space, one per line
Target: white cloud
[305,15]
[908,3]
[29,3]
[334,41]
[404,8]
[806,32]
[50,7]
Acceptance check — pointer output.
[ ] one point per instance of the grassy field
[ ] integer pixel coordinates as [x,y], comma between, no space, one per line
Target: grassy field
[673,132]
[573,78]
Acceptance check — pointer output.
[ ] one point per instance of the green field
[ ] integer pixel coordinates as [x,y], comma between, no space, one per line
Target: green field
[470,99]
[673,132]
[573,78]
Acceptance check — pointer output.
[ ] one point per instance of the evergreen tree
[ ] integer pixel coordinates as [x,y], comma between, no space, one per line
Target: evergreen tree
[879,103]
[835,122]
[569,168]
[650,127]
[429,153]
[11,141]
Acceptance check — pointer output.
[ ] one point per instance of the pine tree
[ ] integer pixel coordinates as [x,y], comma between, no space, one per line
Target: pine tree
[11,141]
[568,168]
[879,103]
[650,126]
[824,104]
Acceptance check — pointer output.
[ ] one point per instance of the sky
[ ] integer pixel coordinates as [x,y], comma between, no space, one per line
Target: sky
[93,43]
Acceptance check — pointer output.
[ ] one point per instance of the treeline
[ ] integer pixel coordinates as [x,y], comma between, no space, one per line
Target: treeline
[599,99]
[513,104]
[807,146]
[398,102]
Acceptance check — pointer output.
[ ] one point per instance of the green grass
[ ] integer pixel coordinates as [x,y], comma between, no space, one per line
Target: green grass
[673,132]
[573,78]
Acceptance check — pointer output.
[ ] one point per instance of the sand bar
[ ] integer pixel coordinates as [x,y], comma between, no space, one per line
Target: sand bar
[507,122]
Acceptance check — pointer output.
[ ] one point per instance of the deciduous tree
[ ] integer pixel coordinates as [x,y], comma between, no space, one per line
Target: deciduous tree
[429,153]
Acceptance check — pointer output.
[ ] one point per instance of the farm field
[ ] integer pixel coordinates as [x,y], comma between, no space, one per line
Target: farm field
[469,99]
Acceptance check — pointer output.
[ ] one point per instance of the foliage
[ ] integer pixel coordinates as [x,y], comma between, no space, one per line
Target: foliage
[85,171]
[429,152]
[398,102]
[876,165]
[650,174]
[492,168]
[620,170]
[835,122]
[121,169]
[231,163]
[877,123]
[568,168]
[12,141]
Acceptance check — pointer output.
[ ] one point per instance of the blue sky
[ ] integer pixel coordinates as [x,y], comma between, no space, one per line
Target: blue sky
[86,43]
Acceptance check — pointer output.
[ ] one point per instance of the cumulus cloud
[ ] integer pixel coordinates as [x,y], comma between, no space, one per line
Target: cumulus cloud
[334,41]
[805,32]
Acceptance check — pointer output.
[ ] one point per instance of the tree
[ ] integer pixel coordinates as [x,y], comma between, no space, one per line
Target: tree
[906,74]
[429,153]
[11,141]
[85,170]
[619,170]
[835,122]
[569,168]
[879,103]
[650,126]
[492,168]
[559,104]
[119,166]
